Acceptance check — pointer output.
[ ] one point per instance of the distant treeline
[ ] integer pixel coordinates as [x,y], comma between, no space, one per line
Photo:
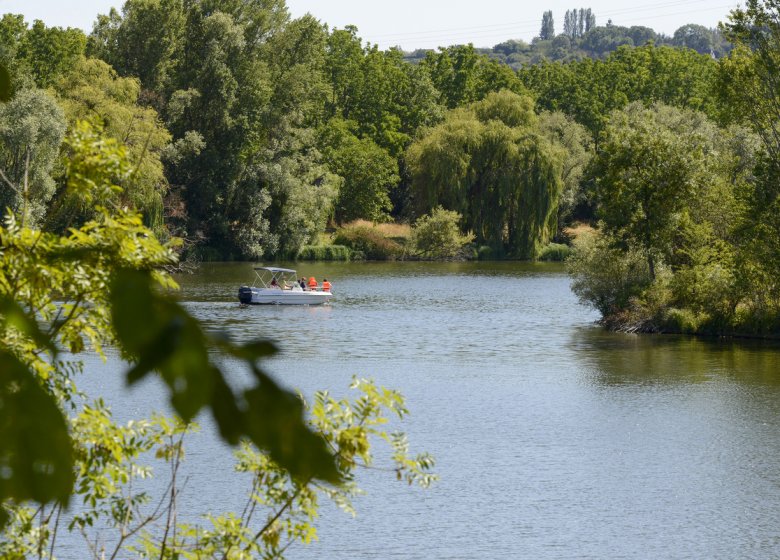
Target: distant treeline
[581,38]
[253,134]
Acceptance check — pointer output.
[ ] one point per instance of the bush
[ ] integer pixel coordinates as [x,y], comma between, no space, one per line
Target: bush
[605,277]
[324,253]
[557,252]
[682,321]
[438,236]
[369,241]
[488,253]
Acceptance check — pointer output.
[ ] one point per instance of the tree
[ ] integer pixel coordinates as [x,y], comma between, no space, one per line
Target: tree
[31,129]
[747,88]
[605,277]
[437,235]
[51,52]
[589,90]
[578,146]
[678,77]
[489,163]
[600,41]
[651,167]
[92,91]
[748,77]
[291,189]
[578,22]
[584,90]
[38,56]
[692,36]
[387,98]
[570,24]
[368,172]
[463,76]
[148,43]
[589,20]
[547,32]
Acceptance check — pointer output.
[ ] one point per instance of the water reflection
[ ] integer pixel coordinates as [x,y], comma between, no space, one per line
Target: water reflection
[554,438]
[616,359]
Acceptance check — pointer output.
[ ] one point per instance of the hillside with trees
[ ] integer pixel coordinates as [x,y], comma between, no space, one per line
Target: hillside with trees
[255,135]
[581,38]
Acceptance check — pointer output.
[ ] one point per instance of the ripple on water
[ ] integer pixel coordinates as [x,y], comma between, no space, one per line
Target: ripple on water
[553,438]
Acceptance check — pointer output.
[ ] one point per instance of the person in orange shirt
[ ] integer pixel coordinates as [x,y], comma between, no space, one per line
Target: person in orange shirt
[325,285]
[312,283]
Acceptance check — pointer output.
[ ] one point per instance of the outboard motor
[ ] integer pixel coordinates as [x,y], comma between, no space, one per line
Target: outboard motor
[245,295]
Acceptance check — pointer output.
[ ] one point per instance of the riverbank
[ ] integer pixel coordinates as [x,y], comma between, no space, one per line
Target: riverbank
[366,241]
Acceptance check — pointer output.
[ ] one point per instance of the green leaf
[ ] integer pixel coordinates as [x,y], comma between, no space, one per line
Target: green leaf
[275,423]
[161,336]
[13,315]
[36,461]
[251,351]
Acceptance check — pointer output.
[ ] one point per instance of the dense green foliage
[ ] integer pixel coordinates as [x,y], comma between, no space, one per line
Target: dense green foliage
[437,235]
[490,163]
[251,132]
[589,90]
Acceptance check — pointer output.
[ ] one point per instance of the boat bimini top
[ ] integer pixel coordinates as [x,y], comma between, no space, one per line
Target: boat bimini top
[267,274]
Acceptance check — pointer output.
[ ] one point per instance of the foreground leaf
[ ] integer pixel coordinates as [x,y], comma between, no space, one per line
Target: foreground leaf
[36,461]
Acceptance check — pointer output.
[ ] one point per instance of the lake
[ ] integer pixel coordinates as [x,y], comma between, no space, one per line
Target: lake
[553,438]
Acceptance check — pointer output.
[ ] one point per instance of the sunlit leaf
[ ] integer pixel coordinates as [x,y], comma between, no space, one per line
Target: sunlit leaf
[13,315]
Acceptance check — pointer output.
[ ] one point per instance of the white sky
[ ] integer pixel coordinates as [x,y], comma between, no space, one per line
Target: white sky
[431,23]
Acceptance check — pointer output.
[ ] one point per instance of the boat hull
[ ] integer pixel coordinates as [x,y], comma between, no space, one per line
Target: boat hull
[271,296]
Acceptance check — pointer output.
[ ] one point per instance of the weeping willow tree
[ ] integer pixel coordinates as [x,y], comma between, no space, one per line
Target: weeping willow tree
[490,163]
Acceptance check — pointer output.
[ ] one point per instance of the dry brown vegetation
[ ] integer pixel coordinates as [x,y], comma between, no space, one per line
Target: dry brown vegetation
[390,230]
[577,229]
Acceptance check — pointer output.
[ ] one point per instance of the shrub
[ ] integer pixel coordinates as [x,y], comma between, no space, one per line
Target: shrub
[368,240]
[324,253]
[682,321]
[488,253]
[557,252]
[605,277]
[438,236]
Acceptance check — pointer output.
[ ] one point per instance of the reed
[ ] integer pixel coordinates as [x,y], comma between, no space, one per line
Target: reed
[324,253]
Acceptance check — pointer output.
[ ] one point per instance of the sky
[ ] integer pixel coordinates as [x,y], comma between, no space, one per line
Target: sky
[413,24]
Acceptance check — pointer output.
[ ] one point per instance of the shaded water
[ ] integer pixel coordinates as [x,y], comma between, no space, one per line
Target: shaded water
[554,439]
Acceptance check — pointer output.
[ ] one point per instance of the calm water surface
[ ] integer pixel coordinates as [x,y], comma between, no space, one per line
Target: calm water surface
[554,439]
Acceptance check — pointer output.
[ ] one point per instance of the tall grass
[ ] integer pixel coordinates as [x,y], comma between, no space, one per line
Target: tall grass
[370,240]
[390,230]
[324,253]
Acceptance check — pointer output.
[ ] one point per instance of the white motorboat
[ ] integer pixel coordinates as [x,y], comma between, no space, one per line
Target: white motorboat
[279,286]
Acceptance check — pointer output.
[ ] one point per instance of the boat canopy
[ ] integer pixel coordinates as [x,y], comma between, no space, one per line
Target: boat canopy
[274,269]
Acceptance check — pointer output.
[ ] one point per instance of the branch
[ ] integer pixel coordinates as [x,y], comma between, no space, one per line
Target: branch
[9,183]
[171,520]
